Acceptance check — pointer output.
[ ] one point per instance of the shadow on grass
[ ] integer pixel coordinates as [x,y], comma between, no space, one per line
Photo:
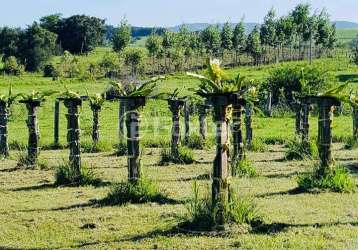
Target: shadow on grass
[10,170]
[52,185]
[276,227]
[293,191]
[197,178]
[283,175]
[348,77]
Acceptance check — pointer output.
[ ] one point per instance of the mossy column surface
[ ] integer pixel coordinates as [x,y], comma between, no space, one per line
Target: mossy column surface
[96,109]
[325,119]
[221,175]
[133,139]
[305,124]
[298,125]
[4,117]
[175,106]
[34,132]
[355,123]
[203,109]
[238,143]
[73,134]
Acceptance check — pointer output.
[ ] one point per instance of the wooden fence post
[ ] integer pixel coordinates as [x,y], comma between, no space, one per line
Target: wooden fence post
[175,106]
[202,120]
[355,123]
[238,143]
[187,121]
[121,118]
[248,124]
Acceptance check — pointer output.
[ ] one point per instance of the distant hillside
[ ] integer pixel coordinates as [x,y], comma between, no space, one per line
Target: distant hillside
[346,25]
[200,26]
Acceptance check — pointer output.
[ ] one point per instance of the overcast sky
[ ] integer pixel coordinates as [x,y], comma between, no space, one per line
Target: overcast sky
[166,12]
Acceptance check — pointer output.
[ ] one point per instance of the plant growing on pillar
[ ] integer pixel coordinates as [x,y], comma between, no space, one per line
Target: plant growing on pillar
[96,102]
[73,172]
[326,174]
[6,102]
[32,102]
[176,155]
[222,94]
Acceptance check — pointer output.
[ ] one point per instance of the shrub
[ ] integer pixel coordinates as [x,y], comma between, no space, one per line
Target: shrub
[244,168]
[337,180]
[351,143]
[297,151]
[23,161]
[12,67]
[121,149]
[202,214]
[95,147]
[157,142]
[185,156]
[65,176]
[140,192]
[50,70]
[195,141]
[257,145]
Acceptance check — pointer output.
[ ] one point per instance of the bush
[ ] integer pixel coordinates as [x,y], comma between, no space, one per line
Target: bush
[202,214]
[121,149]
[50,70]
[95,147]
[351,143]
[257,145]
[140,192]
[195,141]
[185,156]
[23,162]
[12,67]
[336,180]
[297,151]
[65,176]
[244,168]
[158,142]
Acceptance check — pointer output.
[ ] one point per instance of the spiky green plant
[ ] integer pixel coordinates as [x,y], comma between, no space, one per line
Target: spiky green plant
[9,98]
[37,95]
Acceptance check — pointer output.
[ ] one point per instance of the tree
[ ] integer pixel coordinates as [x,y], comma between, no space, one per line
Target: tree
[284,31]
[239,39]
[153,45]
[226,37]
[268,29]
[36,46]
[300,16]
[253,46]
[51,22]
[122,36]
[81,34]
[326,32]
[210,37]
[135,58]
[9,39]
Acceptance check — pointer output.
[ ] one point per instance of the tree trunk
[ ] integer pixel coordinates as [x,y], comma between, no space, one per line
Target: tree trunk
[355,123]
[220,185]
[73,135]
[4,117]
[187,121]
[34,133]
[248,124]
[95,127]
[238,144]
[175,107]
[132,123]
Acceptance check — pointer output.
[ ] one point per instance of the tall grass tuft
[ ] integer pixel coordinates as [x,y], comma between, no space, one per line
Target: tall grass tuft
[185,156]
[297,151]
[244,168]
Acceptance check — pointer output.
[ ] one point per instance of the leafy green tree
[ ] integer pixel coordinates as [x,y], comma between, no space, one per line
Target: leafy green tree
[301,19]
[226,37]
[51,22]
[326,32]
[80,33]
[134,57]
[9,39]
[239,39]
[210,37]
[36,46]
[253,46]
[122,36]
[268,29]
[110,65]
[12,67]
[153,45]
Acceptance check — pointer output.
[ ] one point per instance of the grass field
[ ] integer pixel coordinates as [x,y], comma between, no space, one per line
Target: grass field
[346,35]
[36,215]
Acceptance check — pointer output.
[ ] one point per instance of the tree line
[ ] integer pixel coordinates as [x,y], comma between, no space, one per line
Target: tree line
[299,31]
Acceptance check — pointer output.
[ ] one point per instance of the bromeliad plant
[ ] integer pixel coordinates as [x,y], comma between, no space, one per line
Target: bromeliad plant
[96,102]
[32,102]
[5,104]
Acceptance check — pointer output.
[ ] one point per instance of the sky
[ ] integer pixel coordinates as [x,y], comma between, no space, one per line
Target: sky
[166,12]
